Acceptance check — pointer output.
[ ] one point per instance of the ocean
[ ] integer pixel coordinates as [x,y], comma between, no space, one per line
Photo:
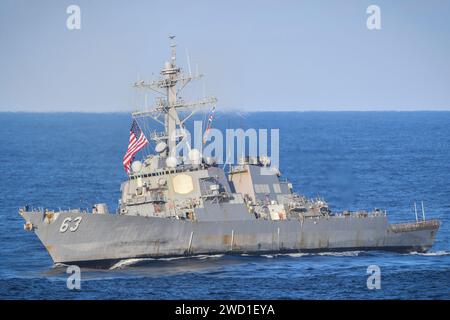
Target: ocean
[355,160]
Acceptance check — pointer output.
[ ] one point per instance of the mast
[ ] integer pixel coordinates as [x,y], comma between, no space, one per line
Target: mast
[171,75]
[169,85]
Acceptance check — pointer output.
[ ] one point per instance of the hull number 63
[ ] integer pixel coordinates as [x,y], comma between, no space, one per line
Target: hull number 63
[71,224]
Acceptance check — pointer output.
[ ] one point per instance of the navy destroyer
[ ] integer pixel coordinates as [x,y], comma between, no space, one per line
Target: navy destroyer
[188,205]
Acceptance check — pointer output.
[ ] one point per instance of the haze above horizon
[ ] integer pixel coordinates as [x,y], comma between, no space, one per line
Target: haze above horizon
[288,56]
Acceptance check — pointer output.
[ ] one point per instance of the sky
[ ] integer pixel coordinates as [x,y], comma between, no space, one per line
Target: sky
[256,55]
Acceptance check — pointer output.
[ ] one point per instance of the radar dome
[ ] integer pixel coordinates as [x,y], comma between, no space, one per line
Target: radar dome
[136,166]
[171,162]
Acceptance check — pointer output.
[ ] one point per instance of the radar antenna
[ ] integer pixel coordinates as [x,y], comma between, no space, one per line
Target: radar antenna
[165,111]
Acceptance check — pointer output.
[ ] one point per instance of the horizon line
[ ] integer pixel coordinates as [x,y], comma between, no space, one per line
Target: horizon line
[232,111]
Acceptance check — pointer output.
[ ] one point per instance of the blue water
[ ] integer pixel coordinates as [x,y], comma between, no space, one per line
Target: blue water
[355,160]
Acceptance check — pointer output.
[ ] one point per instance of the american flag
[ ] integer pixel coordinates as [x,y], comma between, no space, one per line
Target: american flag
[137,142]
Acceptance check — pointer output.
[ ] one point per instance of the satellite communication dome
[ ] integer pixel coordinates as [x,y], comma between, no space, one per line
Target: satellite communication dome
[171,162]
[160,147]
[136,166]
[194,156]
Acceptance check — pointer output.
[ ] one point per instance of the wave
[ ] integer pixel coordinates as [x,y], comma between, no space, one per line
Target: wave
[302,254]
[294,255]
[200,257]
[59,265]
[270,256]
[341,254]
[127,262]
[432,254]
[132,261]
[206,256]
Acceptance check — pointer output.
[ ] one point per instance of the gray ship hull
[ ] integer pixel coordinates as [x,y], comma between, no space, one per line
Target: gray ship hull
[105,239]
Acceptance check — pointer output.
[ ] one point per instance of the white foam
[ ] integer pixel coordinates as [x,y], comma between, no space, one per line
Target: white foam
[340,254]
[128,262]
[202,257]
[59,265]
[433,254]
[172,258]
[302,254]
[295,255]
